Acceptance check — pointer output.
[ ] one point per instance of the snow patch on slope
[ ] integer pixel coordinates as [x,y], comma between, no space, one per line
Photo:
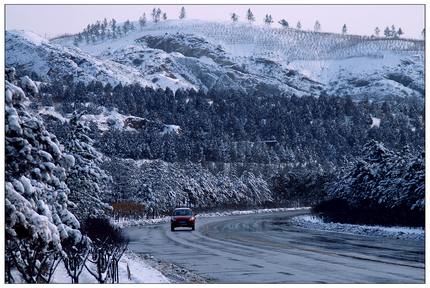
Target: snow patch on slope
[30,36]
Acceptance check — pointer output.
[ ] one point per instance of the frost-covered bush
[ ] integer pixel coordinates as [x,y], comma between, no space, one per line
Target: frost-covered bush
[108,245]
[36,196]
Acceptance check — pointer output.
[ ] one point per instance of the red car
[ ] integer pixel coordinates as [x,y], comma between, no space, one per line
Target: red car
[183,217]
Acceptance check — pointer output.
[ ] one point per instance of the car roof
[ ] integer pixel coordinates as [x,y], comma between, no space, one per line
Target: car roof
[183,208]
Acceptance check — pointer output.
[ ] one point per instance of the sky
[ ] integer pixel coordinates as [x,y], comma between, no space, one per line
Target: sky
[50,20]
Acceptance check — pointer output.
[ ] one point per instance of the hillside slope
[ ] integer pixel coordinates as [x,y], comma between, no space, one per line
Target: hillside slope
[224,56]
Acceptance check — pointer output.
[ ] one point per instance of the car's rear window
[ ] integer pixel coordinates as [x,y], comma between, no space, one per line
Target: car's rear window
[182,212]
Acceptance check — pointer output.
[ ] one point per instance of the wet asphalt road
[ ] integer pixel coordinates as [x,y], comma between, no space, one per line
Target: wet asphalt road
[264,248]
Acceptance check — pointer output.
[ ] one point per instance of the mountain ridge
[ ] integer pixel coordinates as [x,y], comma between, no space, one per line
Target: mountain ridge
[215,55]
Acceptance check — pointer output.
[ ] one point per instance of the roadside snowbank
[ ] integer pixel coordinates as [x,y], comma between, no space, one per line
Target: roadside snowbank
[311,222]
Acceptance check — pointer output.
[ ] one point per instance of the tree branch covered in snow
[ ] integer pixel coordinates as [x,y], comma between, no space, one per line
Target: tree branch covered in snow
[37,205]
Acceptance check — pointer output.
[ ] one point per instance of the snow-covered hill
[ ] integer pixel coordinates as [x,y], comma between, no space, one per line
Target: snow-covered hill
[205,55]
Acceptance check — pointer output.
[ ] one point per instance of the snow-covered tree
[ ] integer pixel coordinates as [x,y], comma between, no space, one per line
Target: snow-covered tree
[299,25]
[250,16]
[183,13]
[36,195]
[385,185]
[283,23]
[86,181]
[126,179]
[257,190]
[164,16]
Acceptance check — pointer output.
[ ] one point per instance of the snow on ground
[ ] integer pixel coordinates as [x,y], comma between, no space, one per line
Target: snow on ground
[324,71]
[140,272]
[375,122]
[30,36]
[406,233]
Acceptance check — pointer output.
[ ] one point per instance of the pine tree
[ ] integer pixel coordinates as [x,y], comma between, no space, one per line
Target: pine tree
[182,14]
[387,32]
[88,34]
[103,27]
[126,27]
[113,25]
[250,16]
[299,25]
[400,32]
[164,16]
[283,23]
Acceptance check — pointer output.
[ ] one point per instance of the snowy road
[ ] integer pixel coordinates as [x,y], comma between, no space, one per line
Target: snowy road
[263,248]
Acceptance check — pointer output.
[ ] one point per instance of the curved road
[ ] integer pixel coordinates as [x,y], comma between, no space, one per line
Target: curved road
[264,248]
